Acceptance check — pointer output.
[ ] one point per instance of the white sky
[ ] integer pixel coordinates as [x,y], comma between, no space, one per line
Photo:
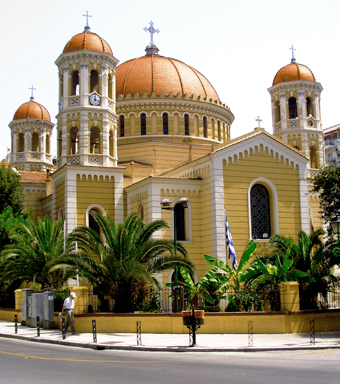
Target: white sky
[238,45]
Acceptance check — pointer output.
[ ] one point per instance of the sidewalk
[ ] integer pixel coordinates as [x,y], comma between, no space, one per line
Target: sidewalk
[175,342]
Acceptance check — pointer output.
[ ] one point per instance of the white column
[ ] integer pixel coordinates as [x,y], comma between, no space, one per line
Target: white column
[217,210]
[118,198]
[304,206]
[105,141]
[65,86]
[104,81]
[283,106]
[42,139]
[84,85]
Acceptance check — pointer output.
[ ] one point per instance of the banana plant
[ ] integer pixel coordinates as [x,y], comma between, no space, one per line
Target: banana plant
[200,290]
[232,277]
[259,273]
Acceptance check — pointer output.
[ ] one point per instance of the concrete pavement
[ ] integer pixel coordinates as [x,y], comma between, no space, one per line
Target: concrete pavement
[176,342]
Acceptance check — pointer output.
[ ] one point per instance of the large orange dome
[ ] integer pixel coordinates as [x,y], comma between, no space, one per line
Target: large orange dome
[157,73]
[32,110]
[89,41]
[293,71]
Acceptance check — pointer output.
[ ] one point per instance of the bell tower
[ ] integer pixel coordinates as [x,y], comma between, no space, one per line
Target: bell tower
[87,176]
[31,131]
[87,121]
[296,116]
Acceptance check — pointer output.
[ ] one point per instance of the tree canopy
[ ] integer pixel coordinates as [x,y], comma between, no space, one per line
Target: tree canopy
[327,184]
[11,190]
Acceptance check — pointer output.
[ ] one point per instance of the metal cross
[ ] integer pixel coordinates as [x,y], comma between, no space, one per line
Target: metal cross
[152,30]
[293,49]
[32,89]
[87,18]
[258,121]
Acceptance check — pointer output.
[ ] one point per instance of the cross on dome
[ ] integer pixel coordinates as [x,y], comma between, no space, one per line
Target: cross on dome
[32,89]
[258,121]
[152,31]
[293,49]
[87,20]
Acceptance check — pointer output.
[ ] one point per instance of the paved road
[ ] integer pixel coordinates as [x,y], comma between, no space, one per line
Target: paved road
[25,362]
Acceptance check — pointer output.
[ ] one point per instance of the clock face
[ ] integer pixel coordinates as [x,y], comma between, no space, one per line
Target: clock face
[95,99]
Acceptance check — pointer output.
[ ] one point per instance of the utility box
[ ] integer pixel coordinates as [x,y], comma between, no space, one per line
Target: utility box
[25,305]
[48,304]
[37,309]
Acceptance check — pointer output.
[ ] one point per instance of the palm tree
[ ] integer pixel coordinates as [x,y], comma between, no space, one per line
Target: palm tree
[36,248]
[120,261]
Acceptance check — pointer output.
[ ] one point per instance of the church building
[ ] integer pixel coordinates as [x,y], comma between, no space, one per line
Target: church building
[151,136]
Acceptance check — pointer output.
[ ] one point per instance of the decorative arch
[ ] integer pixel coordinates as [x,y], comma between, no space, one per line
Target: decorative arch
[94,81]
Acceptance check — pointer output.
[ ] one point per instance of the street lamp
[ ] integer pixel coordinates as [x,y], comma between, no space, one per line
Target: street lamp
[166,204]
[335,223]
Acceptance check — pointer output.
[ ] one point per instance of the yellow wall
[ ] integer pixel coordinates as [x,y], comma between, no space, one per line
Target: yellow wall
[94,190]
[237,178]
[32,200]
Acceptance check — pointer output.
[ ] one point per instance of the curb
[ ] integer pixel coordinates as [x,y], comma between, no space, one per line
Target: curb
[103,346]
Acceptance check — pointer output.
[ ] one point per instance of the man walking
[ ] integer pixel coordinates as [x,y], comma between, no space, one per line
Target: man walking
[68,311]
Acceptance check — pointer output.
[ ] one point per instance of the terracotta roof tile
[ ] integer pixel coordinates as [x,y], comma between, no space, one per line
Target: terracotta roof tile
[33,177]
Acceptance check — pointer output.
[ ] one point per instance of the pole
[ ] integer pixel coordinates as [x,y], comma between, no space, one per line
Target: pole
[176,269]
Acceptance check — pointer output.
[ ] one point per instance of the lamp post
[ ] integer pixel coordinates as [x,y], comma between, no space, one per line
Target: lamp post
[166,204]
[335,224]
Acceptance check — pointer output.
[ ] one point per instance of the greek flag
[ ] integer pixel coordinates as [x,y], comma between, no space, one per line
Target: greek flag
[230,244]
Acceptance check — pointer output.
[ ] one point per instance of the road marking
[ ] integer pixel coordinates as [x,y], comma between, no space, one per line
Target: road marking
[78,360]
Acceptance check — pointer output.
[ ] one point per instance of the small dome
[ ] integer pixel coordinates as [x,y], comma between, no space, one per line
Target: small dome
[87,41]
[32,110]
[293,71]
[157,73]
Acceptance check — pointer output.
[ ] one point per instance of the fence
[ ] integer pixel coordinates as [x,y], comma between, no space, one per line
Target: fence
[247,299]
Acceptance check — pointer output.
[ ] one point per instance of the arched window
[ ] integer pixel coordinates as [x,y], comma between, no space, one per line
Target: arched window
[95,140]
[47,144]
[122,125]
[92,222]
[110,86]
[21,142]
[94,82]
[75,83]
[179,217]
[219,131]
[309,107]
[35,142]
[74,141]
[277,111]
[186,124]
[143,124]
[205,129]
[60,141]
[165,124]
[140,211]
[313,158]
[292,108]
[260,212]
